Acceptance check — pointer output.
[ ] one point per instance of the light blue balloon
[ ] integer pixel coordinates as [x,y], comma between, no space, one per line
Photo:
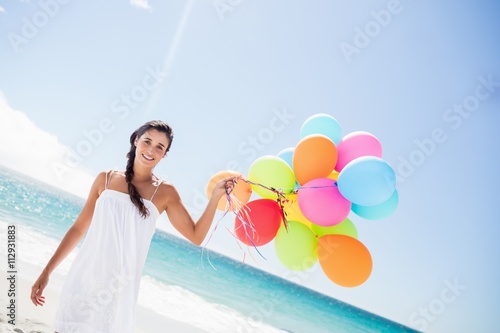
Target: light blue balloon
[367,181]
[322,123]
[380,211]
[287,155]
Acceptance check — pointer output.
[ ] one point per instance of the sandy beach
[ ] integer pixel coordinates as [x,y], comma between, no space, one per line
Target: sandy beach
[38,319]
[34,319]
[160,308]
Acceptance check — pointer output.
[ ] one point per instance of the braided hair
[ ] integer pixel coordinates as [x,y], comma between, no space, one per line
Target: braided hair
[160,126]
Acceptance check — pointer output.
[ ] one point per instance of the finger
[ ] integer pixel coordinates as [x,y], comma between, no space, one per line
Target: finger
[39,300]
[37,295]
[34,299]
[229,185]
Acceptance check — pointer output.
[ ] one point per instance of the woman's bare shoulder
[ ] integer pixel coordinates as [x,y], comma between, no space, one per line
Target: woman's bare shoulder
[167,191]
[166,186]
[103,177]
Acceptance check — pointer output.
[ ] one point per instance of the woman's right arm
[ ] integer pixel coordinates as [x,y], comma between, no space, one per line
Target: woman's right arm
[73,236]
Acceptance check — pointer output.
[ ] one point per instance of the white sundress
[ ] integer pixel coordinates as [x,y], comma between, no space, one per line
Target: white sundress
[100,292]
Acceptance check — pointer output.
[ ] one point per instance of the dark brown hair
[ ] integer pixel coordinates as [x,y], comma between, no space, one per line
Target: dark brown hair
[160,126]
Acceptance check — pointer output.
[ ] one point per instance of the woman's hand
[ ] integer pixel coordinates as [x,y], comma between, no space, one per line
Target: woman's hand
[37,290]
[225,186]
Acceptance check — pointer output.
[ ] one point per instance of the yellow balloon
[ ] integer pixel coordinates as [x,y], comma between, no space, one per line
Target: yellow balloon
[333,175]
[292,210]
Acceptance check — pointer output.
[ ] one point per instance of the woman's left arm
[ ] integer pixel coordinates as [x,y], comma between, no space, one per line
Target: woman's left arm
[180,218]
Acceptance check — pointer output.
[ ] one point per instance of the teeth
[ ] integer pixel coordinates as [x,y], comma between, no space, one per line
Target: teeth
[148,158]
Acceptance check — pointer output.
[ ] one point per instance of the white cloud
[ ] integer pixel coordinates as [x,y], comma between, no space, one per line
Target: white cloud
[143,4]
[32,151]
[2,10]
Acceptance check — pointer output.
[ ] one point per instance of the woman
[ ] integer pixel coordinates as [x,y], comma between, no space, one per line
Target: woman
[101,289]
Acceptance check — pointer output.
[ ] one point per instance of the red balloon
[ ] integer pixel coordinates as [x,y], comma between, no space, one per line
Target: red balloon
[257,222]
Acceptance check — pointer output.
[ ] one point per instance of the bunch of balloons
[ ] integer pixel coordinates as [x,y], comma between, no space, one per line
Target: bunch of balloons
[306,194]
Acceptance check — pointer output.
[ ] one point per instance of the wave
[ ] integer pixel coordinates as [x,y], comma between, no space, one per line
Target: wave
[180,304]
[34,249]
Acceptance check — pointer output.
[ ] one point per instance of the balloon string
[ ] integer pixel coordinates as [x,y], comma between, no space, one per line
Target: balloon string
[280,199]
[293,190]
[232,204]
[235,206]
[324,186]
[208,240]
[241,213]
[248,225]
[241,248]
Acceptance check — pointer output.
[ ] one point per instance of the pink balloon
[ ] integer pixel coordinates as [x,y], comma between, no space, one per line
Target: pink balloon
[357,144]
[321,202]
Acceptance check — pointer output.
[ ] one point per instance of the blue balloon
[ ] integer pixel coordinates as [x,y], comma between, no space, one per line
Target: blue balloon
[287,155]
[380,211]
[322,123]
[367,181]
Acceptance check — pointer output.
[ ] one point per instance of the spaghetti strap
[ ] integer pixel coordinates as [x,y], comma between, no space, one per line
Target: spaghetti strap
[108,178]
[156,189]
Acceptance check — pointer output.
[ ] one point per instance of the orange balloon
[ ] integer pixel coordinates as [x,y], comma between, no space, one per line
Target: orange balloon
[315,156]
[344,259]
[242,190]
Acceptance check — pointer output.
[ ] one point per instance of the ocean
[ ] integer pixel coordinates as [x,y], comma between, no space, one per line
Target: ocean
[178,282]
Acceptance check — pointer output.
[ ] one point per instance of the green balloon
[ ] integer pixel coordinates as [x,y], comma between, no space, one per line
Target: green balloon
[346,227]
[296,246]
[273,172]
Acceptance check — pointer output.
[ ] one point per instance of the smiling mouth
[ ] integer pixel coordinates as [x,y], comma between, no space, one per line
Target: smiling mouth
[147,158]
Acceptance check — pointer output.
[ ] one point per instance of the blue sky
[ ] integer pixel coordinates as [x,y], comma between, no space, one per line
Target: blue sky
[424,77]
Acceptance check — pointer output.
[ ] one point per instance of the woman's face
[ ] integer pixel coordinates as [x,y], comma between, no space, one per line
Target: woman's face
[151,147]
